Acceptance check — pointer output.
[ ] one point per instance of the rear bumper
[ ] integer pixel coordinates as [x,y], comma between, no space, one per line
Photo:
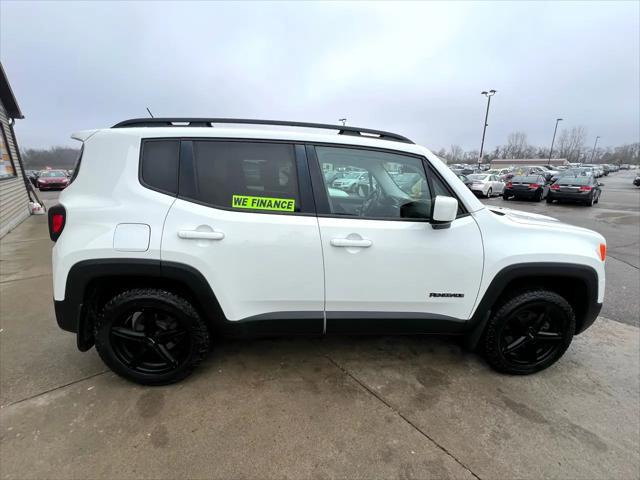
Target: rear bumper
[521,193]
[67,315]
[577,196]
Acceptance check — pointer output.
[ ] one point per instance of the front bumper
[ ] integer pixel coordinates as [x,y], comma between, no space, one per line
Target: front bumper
[593,310]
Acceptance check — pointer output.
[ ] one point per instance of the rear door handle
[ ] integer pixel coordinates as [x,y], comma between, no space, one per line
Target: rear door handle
[347,242]
[198,235]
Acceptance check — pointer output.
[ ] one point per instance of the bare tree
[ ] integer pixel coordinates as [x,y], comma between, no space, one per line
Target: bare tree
[455,153]
[517,146]
[571,143]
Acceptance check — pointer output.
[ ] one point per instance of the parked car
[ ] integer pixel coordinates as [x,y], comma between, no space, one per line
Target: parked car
[163,243]
[52,180]
[582,189]
[527,170]
[465,180]
[351,181]
[331,175]
[485,184]
[533,187]
[636,181]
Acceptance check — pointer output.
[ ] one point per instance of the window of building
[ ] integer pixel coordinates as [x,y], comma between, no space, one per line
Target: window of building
[7,168]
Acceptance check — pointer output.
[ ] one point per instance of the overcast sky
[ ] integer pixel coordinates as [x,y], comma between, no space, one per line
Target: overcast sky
[413,68]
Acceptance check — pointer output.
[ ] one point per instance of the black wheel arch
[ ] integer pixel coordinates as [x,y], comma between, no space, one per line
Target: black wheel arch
[578,284]
[92,283]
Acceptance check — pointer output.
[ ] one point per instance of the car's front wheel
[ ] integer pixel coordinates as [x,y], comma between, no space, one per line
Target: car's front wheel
[529,332]
[151,336]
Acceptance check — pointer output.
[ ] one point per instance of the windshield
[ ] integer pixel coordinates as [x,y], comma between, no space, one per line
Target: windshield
[569,180]
[353,175]
[526,179]
[478,177]
[52,173]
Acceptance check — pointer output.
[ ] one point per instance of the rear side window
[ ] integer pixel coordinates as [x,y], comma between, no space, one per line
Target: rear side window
[259,177]
[159,165]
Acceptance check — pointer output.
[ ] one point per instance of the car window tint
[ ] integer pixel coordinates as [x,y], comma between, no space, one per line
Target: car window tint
[159,164]
[260,177]
[374,184]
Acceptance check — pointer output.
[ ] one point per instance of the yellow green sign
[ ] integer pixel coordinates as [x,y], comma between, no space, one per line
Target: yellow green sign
[263,203]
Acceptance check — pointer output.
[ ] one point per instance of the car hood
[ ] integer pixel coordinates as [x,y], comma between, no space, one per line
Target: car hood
[535,219]
[521,216]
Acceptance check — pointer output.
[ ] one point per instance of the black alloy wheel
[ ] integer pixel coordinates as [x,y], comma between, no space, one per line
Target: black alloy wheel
[149,340]
[151,336]
[533,334]
[529,332]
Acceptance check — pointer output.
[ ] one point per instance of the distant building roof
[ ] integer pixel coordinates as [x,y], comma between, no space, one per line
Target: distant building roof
[7,98]
[529,161]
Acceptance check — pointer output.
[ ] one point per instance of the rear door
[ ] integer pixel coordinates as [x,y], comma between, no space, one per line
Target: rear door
[385,265]
[244,218]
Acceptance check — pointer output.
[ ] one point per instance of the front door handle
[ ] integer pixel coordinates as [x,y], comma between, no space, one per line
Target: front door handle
[348,242]
[198,235]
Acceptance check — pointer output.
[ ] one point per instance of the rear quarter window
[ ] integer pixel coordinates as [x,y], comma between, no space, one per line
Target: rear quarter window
[159,165]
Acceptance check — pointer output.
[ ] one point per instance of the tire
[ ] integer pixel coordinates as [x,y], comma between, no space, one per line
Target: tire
[590,202]
[538,197]
[505,196]
[151,336]
[529,332]
[489,192]
[549,199]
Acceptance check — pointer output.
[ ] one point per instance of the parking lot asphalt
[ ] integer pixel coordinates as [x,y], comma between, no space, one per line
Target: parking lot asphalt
[352,407]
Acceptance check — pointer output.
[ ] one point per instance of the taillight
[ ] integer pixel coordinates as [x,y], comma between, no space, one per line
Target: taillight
[57,220]
[555,187]
[509,185]
[603,251]
[534,185]
[585,188]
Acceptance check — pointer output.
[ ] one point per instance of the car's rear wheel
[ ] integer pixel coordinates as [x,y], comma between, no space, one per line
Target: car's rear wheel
[549,199]
[505,196]
[538,196]
[590,202]
[489,192]
[529,332]
[151,336]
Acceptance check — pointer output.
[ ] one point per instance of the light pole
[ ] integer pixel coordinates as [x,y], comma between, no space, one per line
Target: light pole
[488,94]
[343,120]
[554,138]
[593,152]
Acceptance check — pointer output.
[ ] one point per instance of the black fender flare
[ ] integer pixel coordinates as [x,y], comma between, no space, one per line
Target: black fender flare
[532,271]
[72,312]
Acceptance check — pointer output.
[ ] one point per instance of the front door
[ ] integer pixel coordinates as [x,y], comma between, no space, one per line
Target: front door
[383,259]
[243,220]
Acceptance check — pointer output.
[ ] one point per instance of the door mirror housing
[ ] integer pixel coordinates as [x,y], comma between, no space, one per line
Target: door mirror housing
[445,211]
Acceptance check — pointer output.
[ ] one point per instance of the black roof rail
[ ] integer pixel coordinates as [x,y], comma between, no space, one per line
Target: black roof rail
[208,122]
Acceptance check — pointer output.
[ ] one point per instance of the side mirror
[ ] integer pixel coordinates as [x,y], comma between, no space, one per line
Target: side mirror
[444,211]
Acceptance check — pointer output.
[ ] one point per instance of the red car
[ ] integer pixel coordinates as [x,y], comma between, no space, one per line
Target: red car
[52,180]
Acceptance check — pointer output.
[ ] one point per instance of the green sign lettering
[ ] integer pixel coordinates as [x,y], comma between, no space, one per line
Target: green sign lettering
[263,203]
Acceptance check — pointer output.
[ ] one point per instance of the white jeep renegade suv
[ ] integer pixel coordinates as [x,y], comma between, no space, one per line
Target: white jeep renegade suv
[175,231]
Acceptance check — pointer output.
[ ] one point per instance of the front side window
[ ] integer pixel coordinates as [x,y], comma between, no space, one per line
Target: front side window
[259,177]
[374,184]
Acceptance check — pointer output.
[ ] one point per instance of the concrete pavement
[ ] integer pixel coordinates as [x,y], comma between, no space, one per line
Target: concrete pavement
[305,408]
